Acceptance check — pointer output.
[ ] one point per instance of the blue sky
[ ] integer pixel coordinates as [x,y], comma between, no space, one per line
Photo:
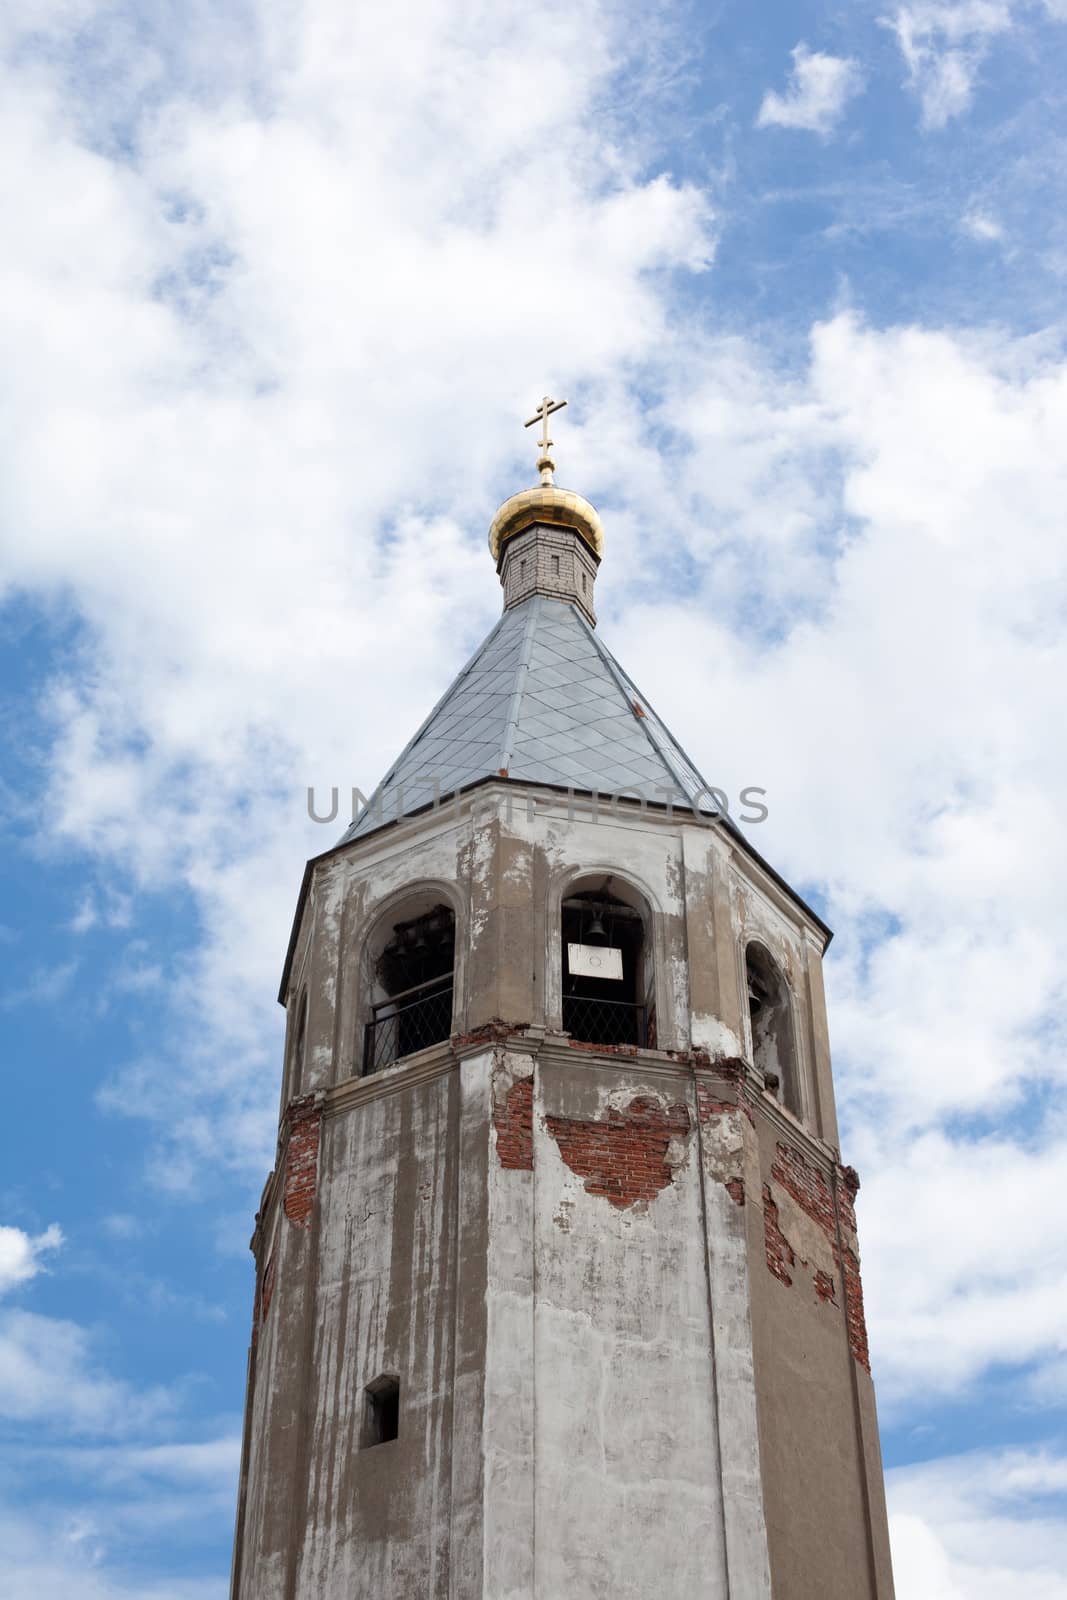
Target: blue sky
[279,285]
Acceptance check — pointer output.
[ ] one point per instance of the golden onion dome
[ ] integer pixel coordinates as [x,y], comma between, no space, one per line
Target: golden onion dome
[559,508]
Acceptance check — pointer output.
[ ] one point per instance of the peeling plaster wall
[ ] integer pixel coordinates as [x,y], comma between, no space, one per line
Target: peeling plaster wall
[389,1278]
[386,1302]
[508,1437]
[823,1486]
[730,1172]
[625,1434]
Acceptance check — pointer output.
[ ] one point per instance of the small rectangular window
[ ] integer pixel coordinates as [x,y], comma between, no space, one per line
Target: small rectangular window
[555,566]
[522,571]
[381,1416]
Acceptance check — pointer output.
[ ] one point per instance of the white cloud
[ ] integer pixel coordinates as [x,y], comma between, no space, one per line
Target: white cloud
[85,917]
[984,1526]
[983,227]
[21,1253]
[44,986]
[1047,1386]
[135,972]
[134,1485]
[123,1225]
[49,1369]
[204,1461]
[956,1284]
[944,45]
[820,87]
[127,1494]
[48,1373]
[108,908]
[58,1556]
[117,1493]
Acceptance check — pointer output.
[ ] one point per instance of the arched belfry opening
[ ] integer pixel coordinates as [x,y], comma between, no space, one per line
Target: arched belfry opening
[411,979]
[771,1017]
[608,992]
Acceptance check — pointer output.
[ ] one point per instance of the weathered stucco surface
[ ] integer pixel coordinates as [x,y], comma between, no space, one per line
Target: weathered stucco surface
[574,1259]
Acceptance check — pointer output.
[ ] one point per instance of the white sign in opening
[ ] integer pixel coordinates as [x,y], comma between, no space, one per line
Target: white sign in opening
[594,961]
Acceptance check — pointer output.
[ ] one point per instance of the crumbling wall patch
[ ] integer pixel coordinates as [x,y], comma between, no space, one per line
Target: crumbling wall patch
[513,1121]
[625,1156]
[301,1161]
[728,1144]
[833,1211]
[780,1253]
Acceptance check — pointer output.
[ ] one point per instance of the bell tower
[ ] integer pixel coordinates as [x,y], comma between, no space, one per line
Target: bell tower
[557,1282]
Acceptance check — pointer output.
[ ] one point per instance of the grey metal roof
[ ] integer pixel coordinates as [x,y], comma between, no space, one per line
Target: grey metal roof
[542,701]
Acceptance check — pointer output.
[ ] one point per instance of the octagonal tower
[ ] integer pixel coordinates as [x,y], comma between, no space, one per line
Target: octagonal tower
[557,1282]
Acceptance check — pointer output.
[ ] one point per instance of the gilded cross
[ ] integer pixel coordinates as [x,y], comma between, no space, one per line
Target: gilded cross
[541,415]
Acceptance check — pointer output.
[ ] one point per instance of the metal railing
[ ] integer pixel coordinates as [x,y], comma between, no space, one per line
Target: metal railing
[603,1021]
[407,1022]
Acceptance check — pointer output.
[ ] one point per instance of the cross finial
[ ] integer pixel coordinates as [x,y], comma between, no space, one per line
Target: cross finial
[545,466]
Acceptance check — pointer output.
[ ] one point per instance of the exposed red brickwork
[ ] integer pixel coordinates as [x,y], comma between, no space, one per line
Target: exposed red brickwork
[301,1160]
[624,1156]
[811,1191]
[735,1188]
[848,1188]
[808,1187]
[496,1028]
[268,1287]
[603,1049]
[780,1253]
[513,1122]
[709,1106]
[824,1286]
[857,1322]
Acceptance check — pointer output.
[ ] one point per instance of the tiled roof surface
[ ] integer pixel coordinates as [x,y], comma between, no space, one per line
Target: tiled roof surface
[542,701]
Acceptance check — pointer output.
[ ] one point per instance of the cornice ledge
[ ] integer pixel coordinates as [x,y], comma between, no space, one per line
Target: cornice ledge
[436,1061]
[560,1050]
[736,1075]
